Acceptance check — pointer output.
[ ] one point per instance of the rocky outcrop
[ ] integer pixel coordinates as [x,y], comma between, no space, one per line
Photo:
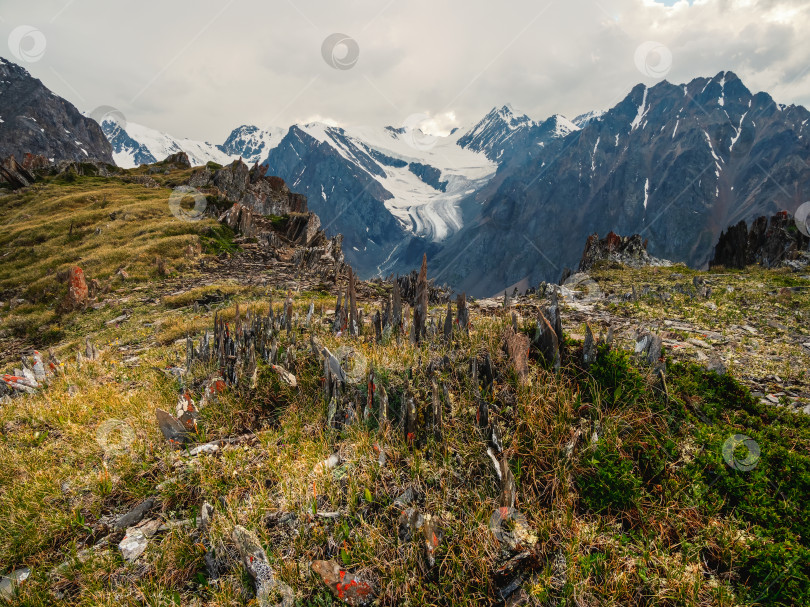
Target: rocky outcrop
[78,292]
[768,242]
[251,188]
[15,174]
[36,121]
[296,237]
[626,250]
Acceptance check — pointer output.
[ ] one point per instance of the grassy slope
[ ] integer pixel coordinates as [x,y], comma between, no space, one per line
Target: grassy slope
[99,224]
[644,510]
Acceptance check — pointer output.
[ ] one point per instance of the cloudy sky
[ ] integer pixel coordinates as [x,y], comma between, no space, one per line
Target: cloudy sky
[196,68]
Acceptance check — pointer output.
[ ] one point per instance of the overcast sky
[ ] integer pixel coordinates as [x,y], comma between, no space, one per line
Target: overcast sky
[197,69]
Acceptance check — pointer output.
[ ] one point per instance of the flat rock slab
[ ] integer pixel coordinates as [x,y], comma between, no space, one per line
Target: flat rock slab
[133,545]
[9,583]
[134,516]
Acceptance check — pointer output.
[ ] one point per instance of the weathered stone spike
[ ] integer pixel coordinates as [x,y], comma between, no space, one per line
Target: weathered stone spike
[448,323]
[547,342]
[420,310]
[589,350]
[463,313]
[370,396]
[437,410]
[508,488]
[396,321]
[410,419]
[377,327]
[383,421]
[352,297]
[516,347]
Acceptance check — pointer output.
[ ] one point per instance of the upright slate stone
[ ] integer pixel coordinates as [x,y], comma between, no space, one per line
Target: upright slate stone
[448,323]
[437,410]
[396,320]
[463,313]
[352,297]
[377,327]
[589,348]
[516,347]
[420,310]
[547,342]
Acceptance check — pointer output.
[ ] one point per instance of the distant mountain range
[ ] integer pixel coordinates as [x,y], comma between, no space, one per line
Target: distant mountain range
[509,200]
[675,163]
[392,192]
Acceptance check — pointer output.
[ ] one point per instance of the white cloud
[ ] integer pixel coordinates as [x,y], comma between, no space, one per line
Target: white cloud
[199,68]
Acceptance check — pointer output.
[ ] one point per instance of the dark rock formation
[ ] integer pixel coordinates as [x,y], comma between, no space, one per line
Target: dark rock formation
[15,174]
[516,347]
[178,160]
[251,188]
[769,242]
[295,236]
[626,250]
[420,309]
[36,121]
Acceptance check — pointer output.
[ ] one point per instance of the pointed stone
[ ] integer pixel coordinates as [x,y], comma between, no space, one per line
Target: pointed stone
[430,541]
[288,312]
[548,343]
[371,387]
[448,323]
[174,431]
[516,347]
[396,320]
[589,350]
[90,351]
[310,313]
[268,587]
[387,314]
[353,318]
[420,310]
[377,327]
[508,487]
[437,410]
[383,407]
[482,414]
[284,375]
[463,313]
[410,419]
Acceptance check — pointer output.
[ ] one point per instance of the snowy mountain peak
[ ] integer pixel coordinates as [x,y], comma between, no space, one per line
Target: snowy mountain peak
[584,119]
[251,143]
[494,131]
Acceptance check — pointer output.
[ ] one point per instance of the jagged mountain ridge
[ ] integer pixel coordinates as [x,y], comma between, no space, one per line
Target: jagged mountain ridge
[676,163]
[34,120]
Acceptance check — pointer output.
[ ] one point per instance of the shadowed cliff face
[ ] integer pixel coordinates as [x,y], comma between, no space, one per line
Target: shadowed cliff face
[674,163]
[35,120]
